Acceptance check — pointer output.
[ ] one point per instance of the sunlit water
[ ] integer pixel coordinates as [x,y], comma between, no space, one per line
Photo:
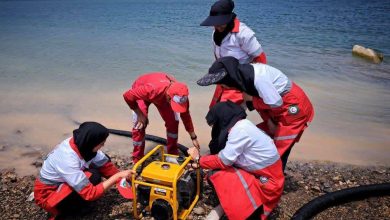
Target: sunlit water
[67,61]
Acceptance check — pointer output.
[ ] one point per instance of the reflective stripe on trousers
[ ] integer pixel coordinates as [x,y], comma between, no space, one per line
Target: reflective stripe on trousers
[248,193]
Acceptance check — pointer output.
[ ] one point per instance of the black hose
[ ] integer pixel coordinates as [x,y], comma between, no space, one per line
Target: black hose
[319,204]
[149,137]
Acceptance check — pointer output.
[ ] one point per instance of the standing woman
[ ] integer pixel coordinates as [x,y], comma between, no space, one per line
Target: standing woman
[71,173]
[171,100]
[247,172]
[231,37]
[284,107]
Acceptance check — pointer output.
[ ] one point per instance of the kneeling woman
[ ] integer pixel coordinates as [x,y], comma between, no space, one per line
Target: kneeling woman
[249,178]
[71,173]
[284,107]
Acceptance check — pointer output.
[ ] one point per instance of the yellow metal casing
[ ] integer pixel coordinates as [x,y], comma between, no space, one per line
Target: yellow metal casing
[160,193]
[161,172]
[163,182]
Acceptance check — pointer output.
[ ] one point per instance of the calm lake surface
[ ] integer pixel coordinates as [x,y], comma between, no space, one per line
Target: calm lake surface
[67,61]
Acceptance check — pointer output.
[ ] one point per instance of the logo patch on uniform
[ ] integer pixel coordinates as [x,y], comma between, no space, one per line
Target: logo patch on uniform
[293,110]
[123,183]
[263,179]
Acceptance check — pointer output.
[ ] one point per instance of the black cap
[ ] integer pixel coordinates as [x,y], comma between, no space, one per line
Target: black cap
[212,77]
[221,13]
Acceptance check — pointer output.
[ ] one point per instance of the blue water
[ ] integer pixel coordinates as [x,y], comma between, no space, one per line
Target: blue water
[113,41]
[54,52]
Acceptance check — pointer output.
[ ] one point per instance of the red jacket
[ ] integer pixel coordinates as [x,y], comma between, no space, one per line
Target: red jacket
[151,88]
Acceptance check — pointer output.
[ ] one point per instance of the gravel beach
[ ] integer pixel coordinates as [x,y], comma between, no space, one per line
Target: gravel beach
[304,181]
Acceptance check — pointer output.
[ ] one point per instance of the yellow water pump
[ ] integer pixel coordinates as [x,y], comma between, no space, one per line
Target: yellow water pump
[165,188]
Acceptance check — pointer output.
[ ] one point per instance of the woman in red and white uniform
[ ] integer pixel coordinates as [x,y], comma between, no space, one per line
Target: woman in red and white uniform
[284,107]
[231,37]
[247,171]
[171,100]
[71,173]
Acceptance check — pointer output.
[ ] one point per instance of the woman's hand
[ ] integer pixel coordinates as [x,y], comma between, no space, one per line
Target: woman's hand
[125,174]
[116,177]
[194,139]
[193,152]
[193,166]
[196,143]
[142,121]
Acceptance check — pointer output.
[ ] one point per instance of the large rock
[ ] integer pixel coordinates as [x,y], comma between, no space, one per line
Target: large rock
[367,53]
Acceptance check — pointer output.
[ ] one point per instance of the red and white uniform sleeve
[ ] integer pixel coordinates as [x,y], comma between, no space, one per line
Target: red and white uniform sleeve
[247,147]
[249,43]
[227,156]
[145,92]
[241,44]
[187,120]
[268,93]
[260,59]
[212,162]
[270,83]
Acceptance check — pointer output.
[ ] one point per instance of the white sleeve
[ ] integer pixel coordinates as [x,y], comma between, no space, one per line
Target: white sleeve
[268,92]
[72,174]
[235,145]
[100,159]
[249,43]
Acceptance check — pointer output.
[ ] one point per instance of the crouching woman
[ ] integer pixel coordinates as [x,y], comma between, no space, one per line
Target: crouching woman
[71,173]
[248,177]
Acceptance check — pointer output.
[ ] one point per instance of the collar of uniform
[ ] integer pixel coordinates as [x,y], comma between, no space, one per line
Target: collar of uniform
[236,28]
[74,147]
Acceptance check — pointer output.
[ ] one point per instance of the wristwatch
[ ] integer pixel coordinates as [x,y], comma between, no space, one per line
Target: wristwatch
[194,138]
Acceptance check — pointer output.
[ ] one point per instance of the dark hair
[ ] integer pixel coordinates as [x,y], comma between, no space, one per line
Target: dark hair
[87,137]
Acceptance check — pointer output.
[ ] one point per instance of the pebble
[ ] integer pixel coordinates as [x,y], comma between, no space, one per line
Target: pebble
[199,210]
[380,171]
[30,197]
[336,178]
[11,177]
[304,189]
[316,188]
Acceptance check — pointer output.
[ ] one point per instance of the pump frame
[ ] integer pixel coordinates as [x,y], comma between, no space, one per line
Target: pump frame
[172,190]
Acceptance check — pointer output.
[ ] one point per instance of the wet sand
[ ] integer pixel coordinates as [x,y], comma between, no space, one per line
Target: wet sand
[33,124]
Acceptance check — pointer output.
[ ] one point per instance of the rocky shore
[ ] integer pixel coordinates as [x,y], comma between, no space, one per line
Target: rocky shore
[304,181]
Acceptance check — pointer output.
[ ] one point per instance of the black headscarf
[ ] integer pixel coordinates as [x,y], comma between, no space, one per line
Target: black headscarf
[88,136]
[222,116]
[239,76]
[219,36]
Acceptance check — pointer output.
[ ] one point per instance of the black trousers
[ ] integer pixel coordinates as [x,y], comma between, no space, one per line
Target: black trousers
[74,203]
[284,157]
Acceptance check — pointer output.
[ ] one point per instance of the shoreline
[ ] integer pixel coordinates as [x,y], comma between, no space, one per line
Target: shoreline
[26,161]
[335,134]
[304,181]
[24,157]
